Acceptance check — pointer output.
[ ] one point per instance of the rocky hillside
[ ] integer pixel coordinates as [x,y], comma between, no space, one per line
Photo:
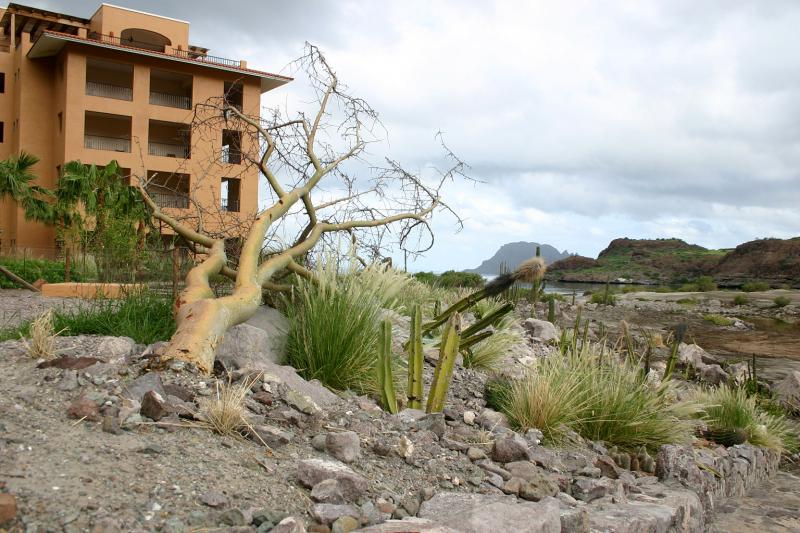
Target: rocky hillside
[666,261]
[514,253]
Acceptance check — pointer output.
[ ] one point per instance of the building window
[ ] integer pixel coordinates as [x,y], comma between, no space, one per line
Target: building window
[2,128]
[60,121]
[231,147]
[229,194]
[234,95]
[2,82]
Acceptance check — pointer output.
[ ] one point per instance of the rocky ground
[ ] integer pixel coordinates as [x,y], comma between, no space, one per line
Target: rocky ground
[101,442]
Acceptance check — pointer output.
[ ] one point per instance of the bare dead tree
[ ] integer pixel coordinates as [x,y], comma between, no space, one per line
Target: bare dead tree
[313,166]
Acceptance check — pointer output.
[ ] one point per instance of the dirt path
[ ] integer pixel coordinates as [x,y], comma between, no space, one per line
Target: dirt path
[773,507]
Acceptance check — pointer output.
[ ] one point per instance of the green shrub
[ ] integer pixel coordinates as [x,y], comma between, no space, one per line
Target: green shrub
[731,416]
[145,317]
[603,298]
[451,278]
[32,269]
[701,284]
[781,301]
[718,320]
[602,398]
[740,299]
[755,286]
[686,301]
[333,334]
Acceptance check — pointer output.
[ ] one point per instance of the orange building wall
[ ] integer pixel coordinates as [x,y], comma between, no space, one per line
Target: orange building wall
[51,85]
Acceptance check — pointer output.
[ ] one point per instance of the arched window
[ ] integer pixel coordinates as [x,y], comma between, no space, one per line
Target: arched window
[141,38]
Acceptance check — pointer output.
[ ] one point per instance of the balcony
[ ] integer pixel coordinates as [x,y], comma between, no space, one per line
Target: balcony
[231,147]
[112,144]
[103,131]
[107,90]
[109,79]
[168,189]
[170,89]
[169,139]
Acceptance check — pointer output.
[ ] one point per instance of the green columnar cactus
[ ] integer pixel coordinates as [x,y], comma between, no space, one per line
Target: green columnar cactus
[415,360]
[551,311]
[448,351]
[489,320]
[384,368]
[535,288]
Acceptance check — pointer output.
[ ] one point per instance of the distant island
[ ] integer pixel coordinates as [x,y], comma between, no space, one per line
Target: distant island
[512,254]
[669,261]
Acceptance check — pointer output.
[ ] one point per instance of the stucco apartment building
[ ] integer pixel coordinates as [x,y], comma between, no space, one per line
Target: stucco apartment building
[121,85]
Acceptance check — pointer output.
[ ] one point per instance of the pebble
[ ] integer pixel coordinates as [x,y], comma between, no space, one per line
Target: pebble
[213,498]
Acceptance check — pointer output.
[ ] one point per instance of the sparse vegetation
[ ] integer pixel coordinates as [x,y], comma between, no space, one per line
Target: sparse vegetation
[781,301]
[732,418]
[740,299]
[701,284]
[718,320]
[334,330]
[755,286]
[451,278]
[603,298]
[599,396]
[144,316]
[224,412]
[42,342]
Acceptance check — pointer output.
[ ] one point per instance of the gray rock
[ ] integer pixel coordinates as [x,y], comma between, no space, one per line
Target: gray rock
[290,524]
[275,325]
[318,442]
[478,513]
[115,349]
[538,489]
[245,347]
[590,489]
[417,525]
[136,389]
[213,498]
[489,466]
[327,491]
[409,416]
[344,445]
[713,374]
[328,513]
[232,517]
[272,436]
[433,422]
[490,419]
[691,354]
[301,402]
[540,329]
[575,520]
[509,449]
[312,471]
[788,391]
[69,381]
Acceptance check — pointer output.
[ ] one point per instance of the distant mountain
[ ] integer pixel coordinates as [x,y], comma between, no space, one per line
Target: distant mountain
[514,253]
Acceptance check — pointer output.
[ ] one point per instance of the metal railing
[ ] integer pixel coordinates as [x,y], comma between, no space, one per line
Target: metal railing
[94,88]
[183,54]
[168,150]
[169,199]
[231,156]
[230,205]
[171,100]
[113,144]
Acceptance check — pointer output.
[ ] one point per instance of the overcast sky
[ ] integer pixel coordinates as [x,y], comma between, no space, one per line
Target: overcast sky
[587,121]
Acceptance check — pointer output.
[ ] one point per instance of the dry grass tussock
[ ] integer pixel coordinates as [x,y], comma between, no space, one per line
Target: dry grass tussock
[42,343]
[224,412]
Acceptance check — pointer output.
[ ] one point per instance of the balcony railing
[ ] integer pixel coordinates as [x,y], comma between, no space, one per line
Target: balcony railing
[94,88]
[169,150]
[231,156]
[184,54]
[169,199]
[231,205]
[171,100]
[113,144]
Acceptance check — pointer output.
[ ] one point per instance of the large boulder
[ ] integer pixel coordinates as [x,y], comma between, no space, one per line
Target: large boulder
[245,346]
[312,471]
[540,329]
[788,391]
[691,355]
[477,513]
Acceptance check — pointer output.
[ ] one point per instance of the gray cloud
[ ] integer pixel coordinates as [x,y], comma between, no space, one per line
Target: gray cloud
[588,120]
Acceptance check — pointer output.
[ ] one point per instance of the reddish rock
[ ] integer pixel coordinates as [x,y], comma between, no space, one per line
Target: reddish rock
[70,363]
[8,508]
[84,408]
[263,397]
[153,406]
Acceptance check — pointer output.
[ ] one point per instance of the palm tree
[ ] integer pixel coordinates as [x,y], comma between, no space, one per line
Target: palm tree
[16,182]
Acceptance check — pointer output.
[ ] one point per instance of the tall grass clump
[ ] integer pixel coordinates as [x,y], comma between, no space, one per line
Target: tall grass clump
[143,316]
[42,343]
[781,301]
[488,354]
[334,330]
[600,397]
[740,299]
[755,286]
[732,417]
